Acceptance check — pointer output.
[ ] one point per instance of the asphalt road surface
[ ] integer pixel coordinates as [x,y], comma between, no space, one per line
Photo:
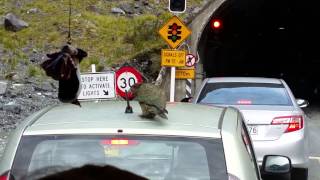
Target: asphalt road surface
[314,135]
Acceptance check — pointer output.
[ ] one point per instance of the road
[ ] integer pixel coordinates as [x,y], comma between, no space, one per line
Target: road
[314,134]
[3,137]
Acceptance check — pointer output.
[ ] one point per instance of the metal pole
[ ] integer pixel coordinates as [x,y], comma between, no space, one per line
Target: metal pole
[188,88]
[69,31]
[93,68]
[172,83]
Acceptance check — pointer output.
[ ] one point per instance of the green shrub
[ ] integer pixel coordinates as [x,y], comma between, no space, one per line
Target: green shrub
[34,71]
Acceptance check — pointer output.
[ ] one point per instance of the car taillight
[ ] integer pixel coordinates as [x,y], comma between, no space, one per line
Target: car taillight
[294,122]
[120,142]
[4,176]
[244,102]
[232,177]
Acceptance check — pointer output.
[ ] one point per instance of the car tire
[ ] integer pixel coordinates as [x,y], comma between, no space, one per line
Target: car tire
[299,174]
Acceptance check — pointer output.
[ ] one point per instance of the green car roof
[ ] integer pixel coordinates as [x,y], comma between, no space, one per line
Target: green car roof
[102,117]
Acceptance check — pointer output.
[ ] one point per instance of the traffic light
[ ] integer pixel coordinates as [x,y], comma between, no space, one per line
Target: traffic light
[177,6]
[174,31]
[216,24]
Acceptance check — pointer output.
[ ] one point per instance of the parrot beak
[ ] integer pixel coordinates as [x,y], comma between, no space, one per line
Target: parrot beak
[81,54]
[134,89]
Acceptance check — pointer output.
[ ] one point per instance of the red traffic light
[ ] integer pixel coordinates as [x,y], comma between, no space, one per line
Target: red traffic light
[174,26]
[216,24]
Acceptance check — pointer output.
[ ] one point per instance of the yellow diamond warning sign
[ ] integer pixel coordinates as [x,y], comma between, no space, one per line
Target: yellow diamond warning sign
[174,32]
[173,58]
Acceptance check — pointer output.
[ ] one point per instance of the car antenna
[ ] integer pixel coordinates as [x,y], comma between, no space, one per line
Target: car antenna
[128,108]
[69,28]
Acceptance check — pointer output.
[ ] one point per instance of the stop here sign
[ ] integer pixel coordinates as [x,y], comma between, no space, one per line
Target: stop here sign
[126,77]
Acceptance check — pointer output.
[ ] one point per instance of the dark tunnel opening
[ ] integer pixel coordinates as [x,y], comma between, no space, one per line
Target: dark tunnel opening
[266,38]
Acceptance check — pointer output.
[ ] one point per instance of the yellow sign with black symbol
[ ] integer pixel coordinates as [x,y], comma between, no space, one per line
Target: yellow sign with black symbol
[173,58]
[185,73]
[174,32]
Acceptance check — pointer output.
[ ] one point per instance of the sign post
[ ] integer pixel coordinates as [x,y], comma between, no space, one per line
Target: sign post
[172,84]
[93,68]
[173,59]
[190,62]
[174,32]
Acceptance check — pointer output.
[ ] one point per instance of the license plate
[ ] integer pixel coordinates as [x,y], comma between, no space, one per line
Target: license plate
[253,130]
[112,152]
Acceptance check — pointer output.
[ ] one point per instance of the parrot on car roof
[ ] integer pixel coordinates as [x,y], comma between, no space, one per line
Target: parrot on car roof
[152,99]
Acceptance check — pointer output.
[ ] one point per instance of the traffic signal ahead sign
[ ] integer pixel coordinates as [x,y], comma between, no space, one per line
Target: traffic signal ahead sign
[174,32]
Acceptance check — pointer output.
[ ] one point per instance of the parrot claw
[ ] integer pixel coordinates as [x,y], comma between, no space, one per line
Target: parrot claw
[163,116]
[148,116]
[76,102]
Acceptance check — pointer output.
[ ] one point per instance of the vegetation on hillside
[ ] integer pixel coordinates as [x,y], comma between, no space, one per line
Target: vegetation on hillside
[108,38]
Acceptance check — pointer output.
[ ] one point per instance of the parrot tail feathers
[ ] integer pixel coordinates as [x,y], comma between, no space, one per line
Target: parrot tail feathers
[148,115]
[161,112]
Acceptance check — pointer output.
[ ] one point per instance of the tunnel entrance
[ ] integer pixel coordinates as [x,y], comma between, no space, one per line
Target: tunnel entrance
[266,38]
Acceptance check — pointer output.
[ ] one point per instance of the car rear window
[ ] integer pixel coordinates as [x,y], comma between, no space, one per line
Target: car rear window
[151,157]
[239,93]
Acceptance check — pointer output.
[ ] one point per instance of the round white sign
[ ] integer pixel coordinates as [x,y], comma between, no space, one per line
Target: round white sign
[126,80]
[126,77]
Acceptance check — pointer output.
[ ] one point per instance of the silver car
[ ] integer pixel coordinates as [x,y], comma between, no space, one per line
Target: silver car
[276,122]
[196,142]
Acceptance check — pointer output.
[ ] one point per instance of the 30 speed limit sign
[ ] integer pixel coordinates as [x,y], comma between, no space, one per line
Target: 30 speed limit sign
[126,77]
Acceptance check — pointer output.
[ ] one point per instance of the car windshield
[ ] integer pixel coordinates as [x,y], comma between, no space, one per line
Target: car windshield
[241,93]
[151,157]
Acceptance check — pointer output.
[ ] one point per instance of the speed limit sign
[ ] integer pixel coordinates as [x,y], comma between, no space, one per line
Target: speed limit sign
[126,77]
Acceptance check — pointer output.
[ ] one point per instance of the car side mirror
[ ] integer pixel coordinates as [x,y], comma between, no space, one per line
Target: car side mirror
[302,103]
[187,99]
[276,167]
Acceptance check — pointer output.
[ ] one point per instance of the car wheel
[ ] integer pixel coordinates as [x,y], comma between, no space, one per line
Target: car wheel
[299,174]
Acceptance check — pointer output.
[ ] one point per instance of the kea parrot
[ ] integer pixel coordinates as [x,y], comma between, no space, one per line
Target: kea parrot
[152,99]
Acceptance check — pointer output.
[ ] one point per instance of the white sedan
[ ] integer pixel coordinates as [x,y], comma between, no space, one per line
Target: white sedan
[275,120]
